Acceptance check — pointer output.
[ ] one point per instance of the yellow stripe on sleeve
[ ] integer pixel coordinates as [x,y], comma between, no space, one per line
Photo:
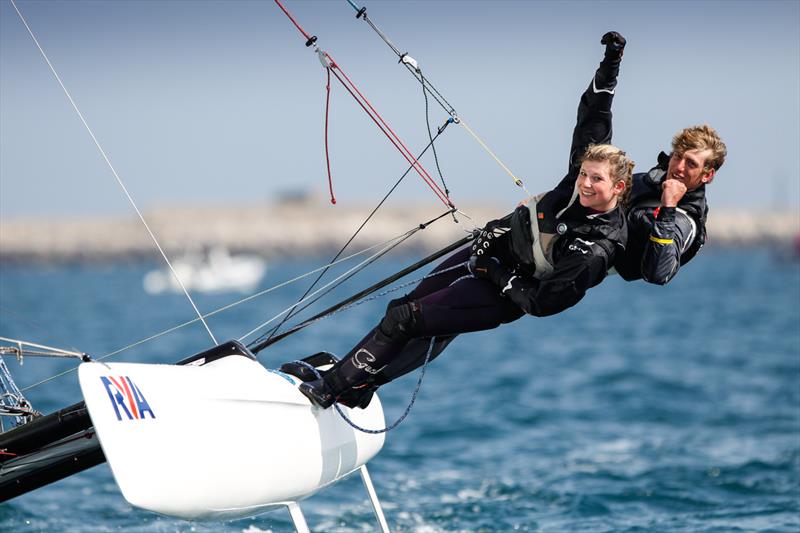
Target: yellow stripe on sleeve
[660,241]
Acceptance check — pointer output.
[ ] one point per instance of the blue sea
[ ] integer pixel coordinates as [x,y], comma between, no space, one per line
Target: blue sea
[644,408]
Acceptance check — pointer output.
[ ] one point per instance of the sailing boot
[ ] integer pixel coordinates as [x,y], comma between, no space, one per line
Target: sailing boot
[302,371]
[361,396]
[324,391]
[361,366]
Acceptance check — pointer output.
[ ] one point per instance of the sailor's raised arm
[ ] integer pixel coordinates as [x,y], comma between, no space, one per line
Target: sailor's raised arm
[593,124]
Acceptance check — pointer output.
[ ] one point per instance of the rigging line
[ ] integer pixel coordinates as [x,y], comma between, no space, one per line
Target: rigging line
[388,132]
[327,156]
[518,182]
[219,310]
[377,286]
[323,294]
[362,12]
[366,262]
[430,136]
[113,170]
[394,137]
[431,90]
[338,309]
[350,240]
[39,346]
[405,151]
[440,99]
[296,24]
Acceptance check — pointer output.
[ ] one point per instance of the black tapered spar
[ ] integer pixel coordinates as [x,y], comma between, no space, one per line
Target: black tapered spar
[369,290]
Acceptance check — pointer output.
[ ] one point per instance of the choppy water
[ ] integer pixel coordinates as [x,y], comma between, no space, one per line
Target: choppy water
[643,409]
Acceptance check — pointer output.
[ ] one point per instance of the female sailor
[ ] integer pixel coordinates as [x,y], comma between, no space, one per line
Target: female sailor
[540,260]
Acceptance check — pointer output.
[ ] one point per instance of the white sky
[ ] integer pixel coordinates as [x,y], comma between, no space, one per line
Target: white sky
[221,103]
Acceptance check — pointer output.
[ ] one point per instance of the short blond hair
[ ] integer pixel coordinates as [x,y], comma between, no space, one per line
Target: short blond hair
[702,137]
[621,165]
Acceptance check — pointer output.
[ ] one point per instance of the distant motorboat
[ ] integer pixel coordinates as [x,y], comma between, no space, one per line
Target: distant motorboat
[214,271]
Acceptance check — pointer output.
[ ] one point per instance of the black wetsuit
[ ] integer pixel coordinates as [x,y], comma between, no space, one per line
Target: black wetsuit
[455,302]
[661,239]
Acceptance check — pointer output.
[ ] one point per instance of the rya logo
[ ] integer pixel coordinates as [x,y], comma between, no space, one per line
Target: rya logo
[126,398]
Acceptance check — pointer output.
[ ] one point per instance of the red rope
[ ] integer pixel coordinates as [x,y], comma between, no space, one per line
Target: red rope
[375,116]
[327,157]
[402,147]
[411,159]
[296,25]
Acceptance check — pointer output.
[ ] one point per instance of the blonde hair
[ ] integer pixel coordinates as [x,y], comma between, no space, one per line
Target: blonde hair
[702,137]
[621,165]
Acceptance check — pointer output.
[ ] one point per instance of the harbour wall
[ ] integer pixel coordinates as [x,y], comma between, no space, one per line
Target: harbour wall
[300,229]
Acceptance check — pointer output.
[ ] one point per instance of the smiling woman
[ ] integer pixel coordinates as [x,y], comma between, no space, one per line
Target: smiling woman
[604,178]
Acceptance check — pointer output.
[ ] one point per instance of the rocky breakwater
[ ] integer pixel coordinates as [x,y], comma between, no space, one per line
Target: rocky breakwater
[297,229]
[271,231]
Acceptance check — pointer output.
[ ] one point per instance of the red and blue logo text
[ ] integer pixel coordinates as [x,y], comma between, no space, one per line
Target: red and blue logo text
[126,398]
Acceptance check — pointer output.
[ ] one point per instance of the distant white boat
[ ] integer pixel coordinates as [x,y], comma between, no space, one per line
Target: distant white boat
[214,271]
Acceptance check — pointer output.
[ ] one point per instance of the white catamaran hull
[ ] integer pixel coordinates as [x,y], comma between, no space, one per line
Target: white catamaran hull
[226,439]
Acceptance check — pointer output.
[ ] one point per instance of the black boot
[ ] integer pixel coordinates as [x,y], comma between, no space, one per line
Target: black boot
[361,396]
[303,372]
[318,393]
[367,359]
[324,391]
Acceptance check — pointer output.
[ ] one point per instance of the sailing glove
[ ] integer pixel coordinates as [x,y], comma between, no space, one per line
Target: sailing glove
[615,45]
[488,267]
[487,238]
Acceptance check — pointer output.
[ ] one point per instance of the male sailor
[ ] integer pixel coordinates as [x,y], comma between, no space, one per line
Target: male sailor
[667,211]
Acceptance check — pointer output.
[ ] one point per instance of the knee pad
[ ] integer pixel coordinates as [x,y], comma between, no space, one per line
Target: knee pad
[400,323]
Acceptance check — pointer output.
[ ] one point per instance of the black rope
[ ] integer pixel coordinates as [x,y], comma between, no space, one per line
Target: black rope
[427,85]
[430,136]
[365,265]
[293,311]
[255,348]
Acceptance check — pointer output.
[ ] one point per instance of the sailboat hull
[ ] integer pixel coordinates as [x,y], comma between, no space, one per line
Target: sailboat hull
[225,439]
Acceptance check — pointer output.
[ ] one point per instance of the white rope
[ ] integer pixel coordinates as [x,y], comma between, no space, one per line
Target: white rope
[517,181]
[226,307]
[334,280]
[113,171]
